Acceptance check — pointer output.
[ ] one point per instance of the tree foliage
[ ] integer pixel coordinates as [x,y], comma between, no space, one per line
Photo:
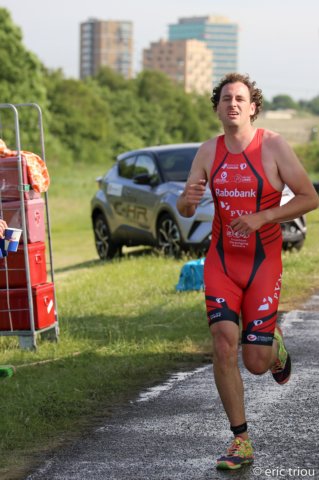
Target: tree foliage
[313,105]
[80,118]
[93,120]
[284,102]
[21,81]
[309,156]
[21,73]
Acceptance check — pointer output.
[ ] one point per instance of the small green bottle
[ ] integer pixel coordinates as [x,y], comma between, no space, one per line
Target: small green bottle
[6,370]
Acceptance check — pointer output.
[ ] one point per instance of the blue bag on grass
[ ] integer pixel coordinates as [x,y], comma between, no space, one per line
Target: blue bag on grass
[191,276]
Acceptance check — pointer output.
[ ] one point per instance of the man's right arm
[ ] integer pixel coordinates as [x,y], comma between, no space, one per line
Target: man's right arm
[195,186]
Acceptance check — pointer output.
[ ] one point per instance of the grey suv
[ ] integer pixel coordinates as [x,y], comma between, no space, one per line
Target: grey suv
[136,205]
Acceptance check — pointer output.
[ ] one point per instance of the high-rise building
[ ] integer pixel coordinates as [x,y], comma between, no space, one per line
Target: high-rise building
[188,62]
[106,43]
[219,34]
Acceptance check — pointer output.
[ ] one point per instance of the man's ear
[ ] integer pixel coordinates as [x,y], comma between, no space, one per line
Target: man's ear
[252,108]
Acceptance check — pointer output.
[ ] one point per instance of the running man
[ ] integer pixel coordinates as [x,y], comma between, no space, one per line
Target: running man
[246,169]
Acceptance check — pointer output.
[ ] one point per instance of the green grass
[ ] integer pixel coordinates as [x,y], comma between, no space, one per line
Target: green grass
[301,273]
[69,201]
[123,327]
[127,328]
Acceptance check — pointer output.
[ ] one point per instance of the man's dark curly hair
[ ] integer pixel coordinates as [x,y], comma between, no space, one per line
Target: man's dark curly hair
[255,93]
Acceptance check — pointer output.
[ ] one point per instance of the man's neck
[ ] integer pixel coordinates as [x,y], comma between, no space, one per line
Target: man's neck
[237,140]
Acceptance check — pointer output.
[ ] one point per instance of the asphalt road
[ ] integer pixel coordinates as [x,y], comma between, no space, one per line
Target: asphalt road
[176,431]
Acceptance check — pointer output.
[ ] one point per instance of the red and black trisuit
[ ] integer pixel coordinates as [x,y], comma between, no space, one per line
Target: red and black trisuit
[243,271]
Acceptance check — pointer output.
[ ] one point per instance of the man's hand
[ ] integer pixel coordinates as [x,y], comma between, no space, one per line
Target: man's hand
[3,226]
[249,223]
[194,192]
[190,198]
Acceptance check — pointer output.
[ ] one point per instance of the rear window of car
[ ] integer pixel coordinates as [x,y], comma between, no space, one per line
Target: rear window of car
[175,164]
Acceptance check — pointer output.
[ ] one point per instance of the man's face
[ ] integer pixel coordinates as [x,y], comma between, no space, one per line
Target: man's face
[235,107]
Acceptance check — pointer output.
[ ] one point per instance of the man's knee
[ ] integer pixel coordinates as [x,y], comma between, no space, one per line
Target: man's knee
[225,342]
[257,360]
[258,367]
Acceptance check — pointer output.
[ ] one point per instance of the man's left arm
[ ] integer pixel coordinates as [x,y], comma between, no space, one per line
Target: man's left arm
[292,174]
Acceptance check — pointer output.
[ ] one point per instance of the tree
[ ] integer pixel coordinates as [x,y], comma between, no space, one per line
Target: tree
[184,117]
[154,86]
[80,118]
[314,105]
[21,74]
[266,105]
[283,102]
[21,81]
[209,123]
[309,155]
[106,77]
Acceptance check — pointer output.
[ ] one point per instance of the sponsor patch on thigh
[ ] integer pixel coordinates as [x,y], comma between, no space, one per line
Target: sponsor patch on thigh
[257,338]
[218,310]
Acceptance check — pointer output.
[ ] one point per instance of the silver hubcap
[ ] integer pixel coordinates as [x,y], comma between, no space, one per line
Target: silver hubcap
[169,239]
[101,238]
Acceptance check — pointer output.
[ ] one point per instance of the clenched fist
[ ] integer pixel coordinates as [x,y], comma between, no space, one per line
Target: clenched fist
[194,192]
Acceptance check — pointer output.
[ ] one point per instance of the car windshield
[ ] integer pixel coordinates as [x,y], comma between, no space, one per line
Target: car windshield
[176,164]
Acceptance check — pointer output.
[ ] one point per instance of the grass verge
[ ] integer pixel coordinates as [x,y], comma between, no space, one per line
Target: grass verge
[128,329]
[301,273]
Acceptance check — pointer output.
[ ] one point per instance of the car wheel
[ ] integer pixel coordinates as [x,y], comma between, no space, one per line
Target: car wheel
[168,236]
[289,246]
[199,252]
[105,247]
[293,238]
[299,245]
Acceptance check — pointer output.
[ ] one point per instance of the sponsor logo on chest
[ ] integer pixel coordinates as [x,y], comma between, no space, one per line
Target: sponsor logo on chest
[235,193]
[242,178]
[234,166]
[234,213]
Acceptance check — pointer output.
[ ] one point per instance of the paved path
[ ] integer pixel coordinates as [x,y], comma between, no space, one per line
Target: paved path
[175,431]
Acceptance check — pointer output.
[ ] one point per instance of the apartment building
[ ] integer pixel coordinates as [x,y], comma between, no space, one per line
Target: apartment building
[106,43]
[187,62]
[220,36]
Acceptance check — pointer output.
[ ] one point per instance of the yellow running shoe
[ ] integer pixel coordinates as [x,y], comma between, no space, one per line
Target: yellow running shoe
[239,453]
[281,371]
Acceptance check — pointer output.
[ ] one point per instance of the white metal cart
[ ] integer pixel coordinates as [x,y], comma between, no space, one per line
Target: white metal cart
[28,337]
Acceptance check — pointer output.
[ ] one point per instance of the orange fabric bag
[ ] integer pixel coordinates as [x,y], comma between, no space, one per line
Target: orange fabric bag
[38,174]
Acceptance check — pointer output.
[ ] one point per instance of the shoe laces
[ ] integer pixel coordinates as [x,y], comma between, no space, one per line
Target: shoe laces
[235,447]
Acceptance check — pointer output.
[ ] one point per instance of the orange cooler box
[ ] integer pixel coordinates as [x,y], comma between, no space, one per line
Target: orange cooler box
[35,219]
[17,266]
[43,308]
[9,179]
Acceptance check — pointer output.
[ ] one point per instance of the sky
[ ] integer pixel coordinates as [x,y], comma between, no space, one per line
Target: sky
[278,39]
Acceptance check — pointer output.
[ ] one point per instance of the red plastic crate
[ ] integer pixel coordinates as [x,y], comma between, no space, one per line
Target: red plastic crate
[35,219]
[9,179]
[17,266]
[43,307]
